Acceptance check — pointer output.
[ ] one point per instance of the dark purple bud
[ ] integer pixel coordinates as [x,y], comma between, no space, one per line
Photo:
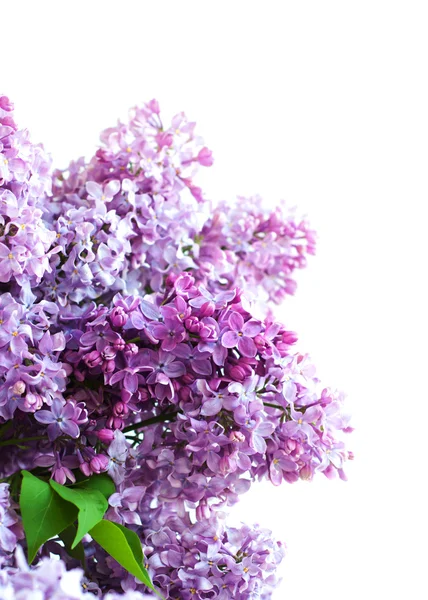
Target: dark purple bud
[86,469]
[119,345]
[192,324]
[99,463]
[109,353]
[93,359]
[289,338]
[120,409]
[131,349]
[115,423]
[236,373]
[184,393]
[118,317]
[207,309]
[188,378]
[105,435]
[108,366]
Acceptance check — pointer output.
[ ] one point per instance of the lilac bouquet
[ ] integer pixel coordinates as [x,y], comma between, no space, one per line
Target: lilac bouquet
[145,383]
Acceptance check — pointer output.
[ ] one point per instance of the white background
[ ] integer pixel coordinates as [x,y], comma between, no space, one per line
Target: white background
[324,104]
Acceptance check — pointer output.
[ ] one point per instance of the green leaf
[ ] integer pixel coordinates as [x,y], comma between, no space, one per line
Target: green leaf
[91,504]
[44,513]
[103,483]
[67,536]
[124,546]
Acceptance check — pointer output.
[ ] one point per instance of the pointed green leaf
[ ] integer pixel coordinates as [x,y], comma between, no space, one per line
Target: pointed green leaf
[103,483]
[68,536]
[91,504]
[44,513]
[124,546]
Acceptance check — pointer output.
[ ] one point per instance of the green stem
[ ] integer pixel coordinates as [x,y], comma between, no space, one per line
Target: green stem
[17,442]
[134,340]
[159,419]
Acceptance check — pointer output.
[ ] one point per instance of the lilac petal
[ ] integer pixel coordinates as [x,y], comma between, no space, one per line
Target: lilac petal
[159,331]
[44,416]
[118,376]
[175,369]
[202,366]
[18,345]
[252,328]
[265,428]
[161,378]
[7,539]
[130,382]
[131,518]
[94,189]
[4,337]
[70,428]
[134,494]
[112,188]
[312,414]
[275,474]
[243,461]
[236,321]
[89,338]
[211,407]
[182,351]
[231,402]
[137,320]
[219,355]
[150,311]
[247,347]
[168,343]
[287,464]
[54,431]
[230,339]
[68,411]
[257,443]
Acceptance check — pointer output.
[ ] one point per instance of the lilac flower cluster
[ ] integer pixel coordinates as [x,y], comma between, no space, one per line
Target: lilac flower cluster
[207,559]
[50,580]
[128,346]
[10,527]
[132,216]
[25,240]
[243,244]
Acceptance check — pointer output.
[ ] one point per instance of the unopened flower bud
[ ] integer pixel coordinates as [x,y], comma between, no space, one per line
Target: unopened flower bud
[207,309]
[131,349]
[120,409]
[108,366]
[118,317]
[18,388]
[105,435]
[99,463]
[93,359]
[236,436]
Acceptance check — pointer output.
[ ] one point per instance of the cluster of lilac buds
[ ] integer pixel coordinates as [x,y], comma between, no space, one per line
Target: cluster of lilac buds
[130,350]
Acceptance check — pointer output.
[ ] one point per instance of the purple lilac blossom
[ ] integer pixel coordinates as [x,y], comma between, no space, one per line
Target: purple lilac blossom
[130,343]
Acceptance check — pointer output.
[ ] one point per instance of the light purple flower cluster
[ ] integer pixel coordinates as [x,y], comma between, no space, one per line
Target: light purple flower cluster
[207,559]
[132,216]
[246,245]
[25,240]
[51,580]
[128,346]
[10,526]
